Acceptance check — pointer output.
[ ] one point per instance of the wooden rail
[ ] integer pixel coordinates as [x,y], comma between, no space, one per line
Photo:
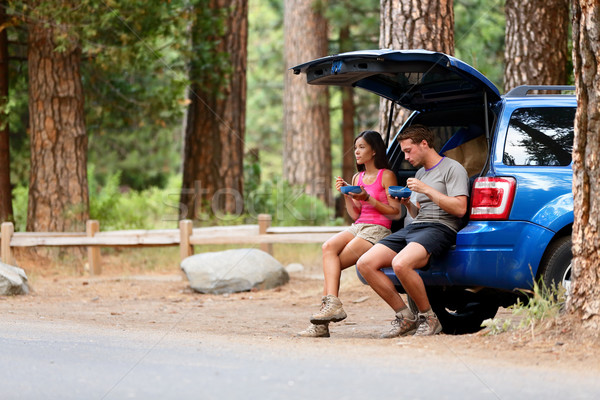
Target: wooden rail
[262,234]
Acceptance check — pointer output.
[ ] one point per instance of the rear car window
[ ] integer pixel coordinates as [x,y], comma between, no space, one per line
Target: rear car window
[541,136]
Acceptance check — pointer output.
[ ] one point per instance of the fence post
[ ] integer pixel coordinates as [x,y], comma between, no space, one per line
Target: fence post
[91,228]
[264,222]
[186,228]
[7,231]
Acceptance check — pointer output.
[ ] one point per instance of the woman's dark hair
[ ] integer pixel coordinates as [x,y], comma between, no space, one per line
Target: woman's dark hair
[374,140]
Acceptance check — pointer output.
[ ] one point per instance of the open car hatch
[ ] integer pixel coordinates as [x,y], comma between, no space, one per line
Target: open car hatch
[416,79]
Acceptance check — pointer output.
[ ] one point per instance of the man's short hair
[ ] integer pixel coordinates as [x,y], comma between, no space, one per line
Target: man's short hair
[417,133]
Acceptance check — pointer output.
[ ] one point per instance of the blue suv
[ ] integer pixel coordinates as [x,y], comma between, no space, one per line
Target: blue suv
[517,150]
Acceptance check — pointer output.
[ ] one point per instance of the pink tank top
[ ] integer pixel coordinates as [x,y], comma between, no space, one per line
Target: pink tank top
[368,213]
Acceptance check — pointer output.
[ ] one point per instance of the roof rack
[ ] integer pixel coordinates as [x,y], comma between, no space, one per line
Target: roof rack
[521,91]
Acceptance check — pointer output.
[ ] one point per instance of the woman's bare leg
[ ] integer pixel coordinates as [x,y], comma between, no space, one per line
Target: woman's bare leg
[346,258]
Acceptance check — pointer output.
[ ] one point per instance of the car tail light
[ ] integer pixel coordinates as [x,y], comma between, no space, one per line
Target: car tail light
[492,198]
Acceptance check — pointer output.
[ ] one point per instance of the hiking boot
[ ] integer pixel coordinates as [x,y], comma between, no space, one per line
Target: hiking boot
[429,324]
[331,311]
[315,331]
[401,326]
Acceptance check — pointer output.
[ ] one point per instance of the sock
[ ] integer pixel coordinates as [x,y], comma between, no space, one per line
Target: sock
[427,312]
[405,313]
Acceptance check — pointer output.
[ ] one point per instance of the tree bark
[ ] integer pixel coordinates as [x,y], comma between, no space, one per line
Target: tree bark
[348,113]
[536,42]
[6,210]
[216,118]
[585,299]
[58,186]
[307,142]
[410,24]
[348,127]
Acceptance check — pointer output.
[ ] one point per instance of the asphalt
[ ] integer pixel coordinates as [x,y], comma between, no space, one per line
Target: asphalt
[48,360]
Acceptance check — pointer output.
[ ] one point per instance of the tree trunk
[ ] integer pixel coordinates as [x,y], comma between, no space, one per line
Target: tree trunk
[348,127]
[535,51]
[58,186]
[215,128]
[307,142]
[405,24]
[348,113]
[585,299]
[6,211]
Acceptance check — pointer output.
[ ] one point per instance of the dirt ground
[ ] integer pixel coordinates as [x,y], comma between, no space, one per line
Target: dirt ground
[163,301]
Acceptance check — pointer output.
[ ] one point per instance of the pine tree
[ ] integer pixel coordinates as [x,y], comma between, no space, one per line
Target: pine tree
[585,294]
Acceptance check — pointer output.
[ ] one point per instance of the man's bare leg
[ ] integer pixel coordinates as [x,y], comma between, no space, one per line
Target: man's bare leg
[370,265]
[405,264]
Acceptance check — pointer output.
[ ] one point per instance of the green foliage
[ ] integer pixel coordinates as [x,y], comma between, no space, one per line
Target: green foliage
[497,325]
[209,66]
[252,172]
[20,200]
[360,17]
[146,209]
[479,36]
[135,81]
[156,208]
[543,303]
[18,112]
[288,205]
[136,55]
[134,78]
[265,76]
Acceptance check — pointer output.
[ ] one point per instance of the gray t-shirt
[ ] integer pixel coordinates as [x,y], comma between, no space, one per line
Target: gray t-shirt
[447,177]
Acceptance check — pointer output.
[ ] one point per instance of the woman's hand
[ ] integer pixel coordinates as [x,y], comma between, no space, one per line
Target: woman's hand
[339,182]
[362,196]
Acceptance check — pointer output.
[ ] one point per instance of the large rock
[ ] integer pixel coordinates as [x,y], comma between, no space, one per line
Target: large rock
[233,271]
[13,280]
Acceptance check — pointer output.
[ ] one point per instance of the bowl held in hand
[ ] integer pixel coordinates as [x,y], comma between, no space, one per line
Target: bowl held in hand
[350,189]
[399,191]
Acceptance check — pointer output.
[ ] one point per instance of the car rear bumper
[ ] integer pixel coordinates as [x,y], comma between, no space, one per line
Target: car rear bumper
[493,254]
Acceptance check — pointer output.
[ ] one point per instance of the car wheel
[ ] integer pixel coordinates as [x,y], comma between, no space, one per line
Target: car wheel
[556,264]
[459,311]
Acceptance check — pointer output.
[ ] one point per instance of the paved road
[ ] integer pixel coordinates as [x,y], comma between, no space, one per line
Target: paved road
[47,360]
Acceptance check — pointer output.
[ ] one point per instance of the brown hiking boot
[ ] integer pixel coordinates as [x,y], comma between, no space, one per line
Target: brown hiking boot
[401,326]
[331,311]
[315,331]
[429,324]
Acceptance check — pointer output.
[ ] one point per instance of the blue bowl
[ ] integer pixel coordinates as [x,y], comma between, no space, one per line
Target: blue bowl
[399,191]
[350,189]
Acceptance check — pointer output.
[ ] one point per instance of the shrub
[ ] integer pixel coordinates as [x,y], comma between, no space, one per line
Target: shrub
[544,303]
[156,208]
[288,205]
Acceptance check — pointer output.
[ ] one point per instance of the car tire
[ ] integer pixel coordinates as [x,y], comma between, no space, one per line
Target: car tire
[459,311]
[556,264]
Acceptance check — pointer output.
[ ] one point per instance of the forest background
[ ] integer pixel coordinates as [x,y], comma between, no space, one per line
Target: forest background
[135,62]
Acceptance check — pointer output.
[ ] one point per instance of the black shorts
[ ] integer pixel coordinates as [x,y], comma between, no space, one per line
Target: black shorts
[436,238]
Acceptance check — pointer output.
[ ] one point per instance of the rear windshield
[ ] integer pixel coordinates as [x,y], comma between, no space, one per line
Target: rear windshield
[541,136]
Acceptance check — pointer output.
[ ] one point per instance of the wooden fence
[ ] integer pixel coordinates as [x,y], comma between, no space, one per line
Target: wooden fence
[262,234]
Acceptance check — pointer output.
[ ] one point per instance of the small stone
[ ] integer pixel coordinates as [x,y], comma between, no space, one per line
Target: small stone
[294,267]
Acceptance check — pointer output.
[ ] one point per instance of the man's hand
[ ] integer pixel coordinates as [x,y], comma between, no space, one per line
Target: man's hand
[416,185]
[404,201]
[456,206]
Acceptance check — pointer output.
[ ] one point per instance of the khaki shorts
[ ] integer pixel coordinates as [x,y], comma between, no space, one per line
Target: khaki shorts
[372,233]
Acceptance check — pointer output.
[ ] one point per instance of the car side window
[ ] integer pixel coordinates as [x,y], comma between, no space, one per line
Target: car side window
[541,136]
